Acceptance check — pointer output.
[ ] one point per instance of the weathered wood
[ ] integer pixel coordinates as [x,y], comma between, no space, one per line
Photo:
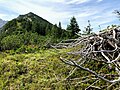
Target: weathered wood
[105,45]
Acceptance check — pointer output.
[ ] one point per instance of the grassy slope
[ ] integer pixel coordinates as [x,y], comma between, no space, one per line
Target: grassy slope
[40,71]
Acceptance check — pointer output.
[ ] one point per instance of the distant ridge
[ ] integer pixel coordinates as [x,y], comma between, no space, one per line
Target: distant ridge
[2,22]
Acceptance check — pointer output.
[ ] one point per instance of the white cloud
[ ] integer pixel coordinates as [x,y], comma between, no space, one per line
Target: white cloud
[86,13]
[61,10]
[2,15]
[45,12]
[99,0]
[77,1]
[7,17]
[60,1]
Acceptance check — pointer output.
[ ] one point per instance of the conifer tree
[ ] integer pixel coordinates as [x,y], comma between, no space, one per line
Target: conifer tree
[60,25]
[73,26]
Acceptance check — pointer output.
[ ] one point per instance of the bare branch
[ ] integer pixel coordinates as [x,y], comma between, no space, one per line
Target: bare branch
[73,63]
[103,48]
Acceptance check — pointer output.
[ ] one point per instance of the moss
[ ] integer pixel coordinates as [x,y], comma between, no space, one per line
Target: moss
[43,70]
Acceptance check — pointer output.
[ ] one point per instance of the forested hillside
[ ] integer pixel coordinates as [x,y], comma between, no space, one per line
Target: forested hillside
[30,29]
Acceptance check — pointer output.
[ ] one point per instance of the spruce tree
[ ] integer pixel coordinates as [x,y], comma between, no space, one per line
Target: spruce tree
[73,27]
[60,25]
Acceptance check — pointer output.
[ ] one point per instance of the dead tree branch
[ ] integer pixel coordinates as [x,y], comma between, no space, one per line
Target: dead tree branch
[102,48]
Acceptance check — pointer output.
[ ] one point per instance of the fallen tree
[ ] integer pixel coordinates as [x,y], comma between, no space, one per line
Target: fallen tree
[103,48]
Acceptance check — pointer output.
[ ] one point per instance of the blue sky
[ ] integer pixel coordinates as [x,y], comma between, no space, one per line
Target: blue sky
[99,12]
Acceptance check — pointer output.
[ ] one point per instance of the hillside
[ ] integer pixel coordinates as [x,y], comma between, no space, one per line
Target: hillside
[30,29]
[33,23]
[28,22]
[43,70]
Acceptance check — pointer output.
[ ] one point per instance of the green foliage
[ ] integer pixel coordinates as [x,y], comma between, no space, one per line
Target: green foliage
[30,29]
[29,71]
[73,27]
[60,25]
[16,41]
[32,38]
[11,42]
[56,32]
[27,49]
[28,22]
[43,70]
[30,66]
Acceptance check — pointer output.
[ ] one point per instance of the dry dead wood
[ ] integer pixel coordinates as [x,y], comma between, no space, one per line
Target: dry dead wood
[103,47]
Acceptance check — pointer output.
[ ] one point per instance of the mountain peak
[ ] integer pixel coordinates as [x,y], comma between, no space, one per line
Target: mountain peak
[31,14]
[28,22]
